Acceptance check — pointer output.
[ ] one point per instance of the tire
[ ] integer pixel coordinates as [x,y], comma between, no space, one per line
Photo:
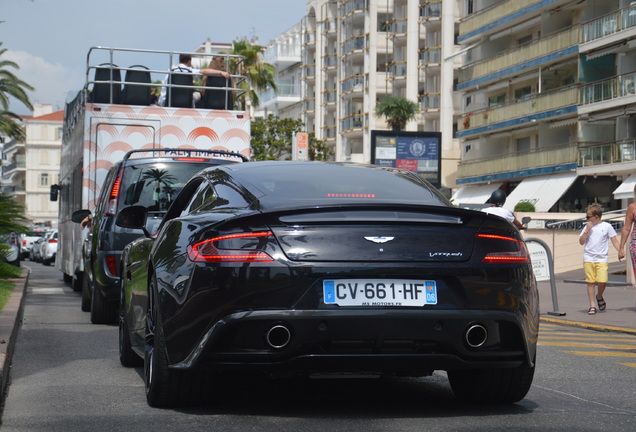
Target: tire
[502,386]
[165,387]
[86,296]
[68,279]
[77,282]
[46,262]
[102,311]
[127,357]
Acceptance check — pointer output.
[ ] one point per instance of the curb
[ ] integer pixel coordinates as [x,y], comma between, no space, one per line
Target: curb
[10,320]
[597,327]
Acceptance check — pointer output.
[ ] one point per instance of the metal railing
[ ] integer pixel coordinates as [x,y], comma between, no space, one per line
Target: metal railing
[609,24]
[620,86]
[616,152]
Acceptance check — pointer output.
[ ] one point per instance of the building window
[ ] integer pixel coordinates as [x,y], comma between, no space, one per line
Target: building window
[524,145]
[497,100]
[60,133]
[44,179]
[470,7]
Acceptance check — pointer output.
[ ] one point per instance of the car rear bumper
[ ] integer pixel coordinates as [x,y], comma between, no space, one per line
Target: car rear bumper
[410,342]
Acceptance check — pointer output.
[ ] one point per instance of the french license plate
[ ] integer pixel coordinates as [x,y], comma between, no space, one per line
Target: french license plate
[379,292]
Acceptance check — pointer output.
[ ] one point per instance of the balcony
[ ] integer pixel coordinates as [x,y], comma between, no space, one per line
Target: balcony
[330,60]
[329,97]
[431,10]
[354,83]
[609,24]
[282,55]
[398,69]
[309,72]
[481,21]
[353,44]
[609,153]
[352,6]
[506,166]
[430,101]
[399,26]
[544,106]
[353,122]
[614,88]
[527,57]
[286,94]
[430,56]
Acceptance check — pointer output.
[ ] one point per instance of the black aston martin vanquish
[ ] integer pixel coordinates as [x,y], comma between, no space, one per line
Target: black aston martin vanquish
[297,268]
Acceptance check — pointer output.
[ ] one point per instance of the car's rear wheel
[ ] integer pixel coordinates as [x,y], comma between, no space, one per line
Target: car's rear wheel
[86,296]
[127,357]
[492,385]
[103,311]
[165,387]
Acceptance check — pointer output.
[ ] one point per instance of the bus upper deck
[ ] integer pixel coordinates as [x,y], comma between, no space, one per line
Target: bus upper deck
[108,81]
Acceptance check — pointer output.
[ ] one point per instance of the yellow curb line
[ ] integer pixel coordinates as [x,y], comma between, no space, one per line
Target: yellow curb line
[599,327]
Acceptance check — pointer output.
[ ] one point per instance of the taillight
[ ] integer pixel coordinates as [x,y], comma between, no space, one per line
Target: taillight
[111,264]
[212,251]
[517,256]
[53,241]
[111,209]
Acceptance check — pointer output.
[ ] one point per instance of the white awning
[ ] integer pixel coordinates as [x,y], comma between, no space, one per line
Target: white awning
[626,189]
[477,194]
[542,191]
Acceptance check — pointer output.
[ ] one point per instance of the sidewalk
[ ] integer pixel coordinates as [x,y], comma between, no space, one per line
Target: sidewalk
[571,299]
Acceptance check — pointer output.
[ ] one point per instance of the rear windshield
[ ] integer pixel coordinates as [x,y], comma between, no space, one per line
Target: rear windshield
[325,183]
[156,185]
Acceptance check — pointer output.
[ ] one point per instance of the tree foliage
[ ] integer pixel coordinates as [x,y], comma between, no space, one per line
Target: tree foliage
[11,216]
[11,86]
[260,75]
[272,140]
[397,110]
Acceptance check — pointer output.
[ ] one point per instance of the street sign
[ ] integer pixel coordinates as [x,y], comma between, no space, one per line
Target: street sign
[540,263]
[300,150]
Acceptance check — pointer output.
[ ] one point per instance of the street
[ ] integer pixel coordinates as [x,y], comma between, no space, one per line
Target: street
[66,376]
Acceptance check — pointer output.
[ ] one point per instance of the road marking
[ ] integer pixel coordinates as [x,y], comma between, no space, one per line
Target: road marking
[47,290]
[602,354]
[589,345]
[594,344]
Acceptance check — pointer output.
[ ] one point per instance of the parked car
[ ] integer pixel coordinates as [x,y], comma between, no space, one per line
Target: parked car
[150,178]
[293,268]
[11,249]
[48,248]
[36,249]
[28,239]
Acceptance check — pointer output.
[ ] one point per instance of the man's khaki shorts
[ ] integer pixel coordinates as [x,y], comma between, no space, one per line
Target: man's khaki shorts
[595,272]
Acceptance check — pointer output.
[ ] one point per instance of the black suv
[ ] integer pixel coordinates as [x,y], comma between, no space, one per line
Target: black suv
[150,178]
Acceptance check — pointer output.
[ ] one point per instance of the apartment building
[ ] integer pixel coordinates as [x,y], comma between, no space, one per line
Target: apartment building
[351,54]
[29,168]
[548,101]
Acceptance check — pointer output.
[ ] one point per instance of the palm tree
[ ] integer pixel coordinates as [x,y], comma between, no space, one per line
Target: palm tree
[11,86]
[260,75]
[156,178]
[397,110]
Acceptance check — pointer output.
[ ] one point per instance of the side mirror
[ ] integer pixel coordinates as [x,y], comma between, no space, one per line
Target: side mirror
[79,215]
[55,190]
[526,220]
[133,217]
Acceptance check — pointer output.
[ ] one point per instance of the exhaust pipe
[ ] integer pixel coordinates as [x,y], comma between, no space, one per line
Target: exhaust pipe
[278,336]
[476,335]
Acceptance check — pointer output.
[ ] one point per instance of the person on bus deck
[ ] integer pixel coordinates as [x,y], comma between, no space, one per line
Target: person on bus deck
[185,63]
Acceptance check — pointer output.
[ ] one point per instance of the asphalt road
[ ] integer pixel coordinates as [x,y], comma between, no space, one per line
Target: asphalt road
[66,377]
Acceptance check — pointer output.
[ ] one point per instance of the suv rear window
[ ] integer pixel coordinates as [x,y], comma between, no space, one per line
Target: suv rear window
[155,185]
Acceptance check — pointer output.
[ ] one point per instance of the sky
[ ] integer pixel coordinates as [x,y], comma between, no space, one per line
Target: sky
[50,39]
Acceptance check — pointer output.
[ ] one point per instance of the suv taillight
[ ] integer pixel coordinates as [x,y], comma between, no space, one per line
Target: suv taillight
[111,208]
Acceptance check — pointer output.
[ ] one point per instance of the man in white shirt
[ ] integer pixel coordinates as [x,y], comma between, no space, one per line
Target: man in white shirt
[185,66]
[497,200]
